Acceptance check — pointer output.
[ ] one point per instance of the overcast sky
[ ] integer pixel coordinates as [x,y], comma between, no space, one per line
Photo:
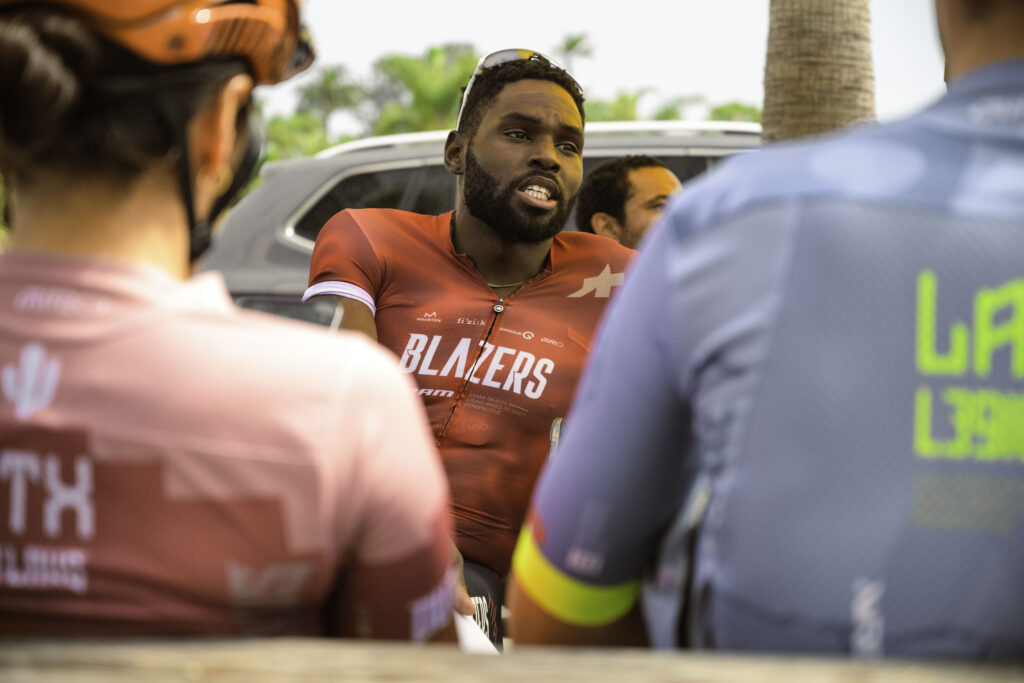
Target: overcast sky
[713,48]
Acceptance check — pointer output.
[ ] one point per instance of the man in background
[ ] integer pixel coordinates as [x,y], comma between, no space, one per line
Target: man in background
[622,197]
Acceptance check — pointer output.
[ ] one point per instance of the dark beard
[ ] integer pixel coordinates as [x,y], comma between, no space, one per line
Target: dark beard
[494,207]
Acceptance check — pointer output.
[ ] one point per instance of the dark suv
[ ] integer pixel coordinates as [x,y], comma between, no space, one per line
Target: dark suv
[263,249]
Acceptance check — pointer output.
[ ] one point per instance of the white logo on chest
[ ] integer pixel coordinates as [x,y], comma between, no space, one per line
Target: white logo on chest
[31,385]
[601,284]
[498,367]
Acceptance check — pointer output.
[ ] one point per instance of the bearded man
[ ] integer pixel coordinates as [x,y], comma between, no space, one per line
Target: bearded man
[491,307]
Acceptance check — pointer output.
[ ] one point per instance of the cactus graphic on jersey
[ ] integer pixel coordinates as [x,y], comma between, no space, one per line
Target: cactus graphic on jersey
[32,384]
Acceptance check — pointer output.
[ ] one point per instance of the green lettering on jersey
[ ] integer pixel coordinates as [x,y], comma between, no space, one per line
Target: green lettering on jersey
[990,335]
[987,425]
[924,444]
[929,360]
[1000,426]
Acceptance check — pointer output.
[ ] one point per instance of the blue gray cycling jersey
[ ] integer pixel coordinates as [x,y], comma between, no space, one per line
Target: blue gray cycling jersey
[817,363]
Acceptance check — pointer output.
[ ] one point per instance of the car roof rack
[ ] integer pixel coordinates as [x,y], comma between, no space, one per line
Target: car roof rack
[674,127]
[384,141]
[620,127]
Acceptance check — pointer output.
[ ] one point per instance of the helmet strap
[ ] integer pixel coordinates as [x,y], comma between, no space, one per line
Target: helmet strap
[241,176]
[200,231]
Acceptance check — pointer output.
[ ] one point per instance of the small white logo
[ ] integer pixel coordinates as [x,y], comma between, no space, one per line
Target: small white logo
[525,335]
[553,342]
[429,317]
[32,384]
[275,585]
[997,111]
[868,621]
[432,611]
[601,285]
[583,561]
[443,393]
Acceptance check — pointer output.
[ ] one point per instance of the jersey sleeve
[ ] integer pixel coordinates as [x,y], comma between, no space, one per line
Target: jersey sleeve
[345,263]
[628,454]
[398,583]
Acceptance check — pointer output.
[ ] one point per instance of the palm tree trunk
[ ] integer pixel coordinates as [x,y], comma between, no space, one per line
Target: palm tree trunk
[818,72]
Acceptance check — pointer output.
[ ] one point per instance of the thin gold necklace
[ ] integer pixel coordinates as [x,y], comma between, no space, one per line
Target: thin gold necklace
[511,284]
[451,236]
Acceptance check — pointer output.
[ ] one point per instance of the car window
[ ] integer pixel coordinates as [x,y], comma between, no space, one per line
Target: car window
[688,168]
[377,190]
[436,193]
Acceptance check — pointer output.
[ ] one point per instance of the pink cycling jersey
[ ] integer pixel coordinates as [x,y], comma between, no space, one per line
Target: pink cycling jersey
[170,464]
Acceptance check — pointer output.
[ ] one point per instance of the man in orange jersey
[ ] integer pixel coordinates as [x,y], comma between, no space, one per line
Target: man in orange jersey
[491,308]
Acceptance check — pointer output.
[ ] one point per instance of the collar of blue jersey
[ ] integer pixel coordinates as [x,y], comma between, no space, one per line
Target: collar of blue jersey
[1005,77]
[987,103]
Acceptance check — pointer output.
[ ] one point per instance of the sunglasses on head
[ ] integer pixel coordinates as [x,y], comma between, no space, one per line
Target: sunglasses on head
[504,57]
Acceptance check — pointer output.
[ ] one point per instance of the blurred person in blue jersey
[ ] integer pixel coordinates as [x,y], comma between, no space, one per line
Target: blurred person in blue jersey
[801,427]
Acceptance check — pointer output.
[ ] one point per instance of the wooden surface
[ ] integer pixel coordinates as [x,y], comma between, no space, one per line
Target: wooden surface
[324,660]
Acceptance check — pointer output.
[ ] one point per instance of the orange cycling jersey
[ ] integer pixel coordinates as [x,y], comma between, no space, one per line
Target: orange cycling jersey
[492,372]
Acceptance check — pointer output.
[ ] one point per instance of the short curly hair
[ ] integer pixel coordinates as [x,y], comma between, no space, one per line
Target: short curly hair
[490,82]
[606,189]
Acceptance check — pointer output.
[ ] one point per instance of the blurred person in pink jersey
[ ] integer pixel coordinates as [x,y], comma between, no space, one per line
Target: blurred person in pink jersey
[170,464]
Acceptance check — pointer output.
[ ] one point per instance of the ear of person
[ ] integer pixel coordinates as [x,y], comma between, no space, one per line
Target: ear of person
[606,225]
[214,138]
[455,153]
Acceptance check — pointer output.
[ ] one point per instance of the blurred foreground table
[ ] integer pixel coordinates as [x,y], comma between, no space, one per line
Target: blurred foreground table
[222,661]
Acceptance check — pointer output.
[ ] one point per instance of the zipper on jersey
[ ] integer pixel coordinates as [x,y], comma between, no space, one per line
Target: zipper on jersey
[497,309]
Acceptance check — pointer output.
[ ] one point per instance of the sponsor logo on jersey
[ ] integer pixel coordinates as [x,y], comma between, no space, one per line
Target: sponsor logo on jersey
[60,301]
[601,284]
[953,359]
[24,470]
[866,614]
[498,367]
[584,561]
[431,612]
[553,342]
[443,393]
[31,384]
[60,500]
[997,110]
[472,321]
[429,317]
[527,335]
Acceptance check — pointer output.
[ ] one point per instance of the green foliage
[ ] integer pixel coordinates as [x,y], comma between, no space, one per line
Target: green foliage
[286,137]
[409,93]
[298,135]
[622,108]
[572,46]
[333,91]
[735,111]
[675,108]
[423,92]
